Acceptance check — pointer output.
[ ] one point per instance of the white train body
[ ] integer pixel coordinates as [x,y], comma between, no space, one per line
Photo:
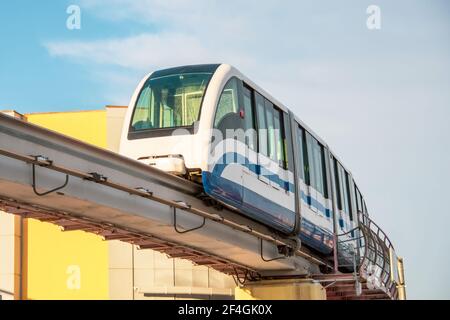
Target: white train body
[276,176]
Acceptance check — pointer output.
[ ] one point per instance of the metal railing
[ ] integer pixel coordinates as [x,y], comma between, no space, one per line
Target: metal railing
[369,253]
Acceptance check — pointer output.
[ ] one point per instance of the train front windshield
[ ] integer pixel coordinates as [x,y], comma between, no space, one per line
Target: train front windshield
[170,101]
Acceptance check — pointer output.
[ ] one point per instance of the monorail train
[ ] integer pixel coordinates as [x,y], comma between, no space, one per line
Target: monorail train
[250,152]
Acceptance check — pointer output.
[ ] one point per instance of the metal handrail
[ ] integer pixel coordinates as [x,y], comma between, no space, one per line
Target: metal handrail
[372,251]
[383,242]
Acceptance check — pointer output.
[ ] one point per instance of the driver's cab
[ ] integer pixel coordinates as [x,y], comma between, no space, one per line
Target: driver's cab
[163,123]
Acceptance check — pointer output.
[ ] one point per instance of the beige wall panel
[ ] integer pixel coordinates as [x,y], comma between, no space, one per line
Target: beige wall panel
[162,261]
[183,264]
[120,284]
[144,278]
[7,245]
[7,283]
[6,255]
[6,296]
[163,277]
[220,280]
[114,123]
[143,259]
[6,224]
[183,278]
[120,254]
[200,278]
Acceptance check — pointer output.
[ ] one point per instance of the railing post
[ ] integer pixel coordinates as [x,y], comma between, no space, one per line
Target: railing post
[335,253]
[401,279]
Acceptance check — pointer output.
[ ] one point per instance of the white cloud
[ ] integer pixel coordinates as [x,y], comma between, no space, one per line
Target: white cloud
[142,52]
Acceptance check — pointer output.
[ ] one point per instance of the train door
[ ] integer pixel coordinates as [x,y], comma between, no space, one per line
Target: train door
[250,172]
[228,150]
[268,183]
[353,202]
[263,160]
[311,178]
[316,201]
[345,203]
[316,175]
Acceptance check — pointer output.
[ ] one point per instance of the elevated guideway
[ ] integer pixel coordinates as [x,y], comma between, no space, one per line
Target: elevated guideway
[54,178]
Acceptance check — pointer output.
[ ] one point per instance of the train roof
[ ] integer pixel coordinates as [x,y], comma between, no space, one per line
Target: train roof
[209,68]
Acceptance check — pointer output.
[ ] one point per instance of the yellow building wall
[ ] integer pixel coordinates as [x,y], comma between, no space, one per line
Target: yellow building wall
[67,265]
[88,126]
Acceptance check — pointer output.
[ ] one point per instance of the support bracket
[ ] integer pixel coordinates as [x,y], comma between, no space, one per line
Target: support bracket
[237,279]
[44,162]
[175,226]
[286,251]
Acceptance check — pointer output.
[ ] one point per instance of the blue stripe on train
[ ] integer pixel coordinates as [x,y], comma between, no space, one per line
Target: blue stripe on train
[273,214]
[233,157]
[313,202]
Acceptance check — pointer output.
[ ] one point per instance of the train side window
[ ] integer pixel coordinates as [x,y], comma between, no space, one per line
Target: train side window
[288,142]
[280,138]
[270,130]
[228,102]
[316,165]
[143,114]
[311,167]
[300,157]
[324,172]
[262,127]
[343,187]
[365,207]
[306,161]
[347,185]
[338,184]
[249,118]
[358,199]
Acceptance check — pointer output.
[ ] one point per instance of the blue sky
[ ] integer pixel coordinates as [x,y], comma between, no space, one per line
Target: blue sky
[380,98]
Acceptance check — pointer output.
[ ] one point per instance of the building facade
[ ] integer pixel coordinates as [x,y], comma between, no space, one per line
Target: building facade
[39,261]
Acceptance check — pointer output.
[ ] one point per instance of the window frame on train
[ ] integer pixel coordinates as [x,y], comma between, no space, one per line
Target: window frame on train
[263,114]
[359,199]
[267,139]
[342,178]
[312,165]
[348,180]
[301,160]
[261,123]
[134,134]
[249,117]
[236,99]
